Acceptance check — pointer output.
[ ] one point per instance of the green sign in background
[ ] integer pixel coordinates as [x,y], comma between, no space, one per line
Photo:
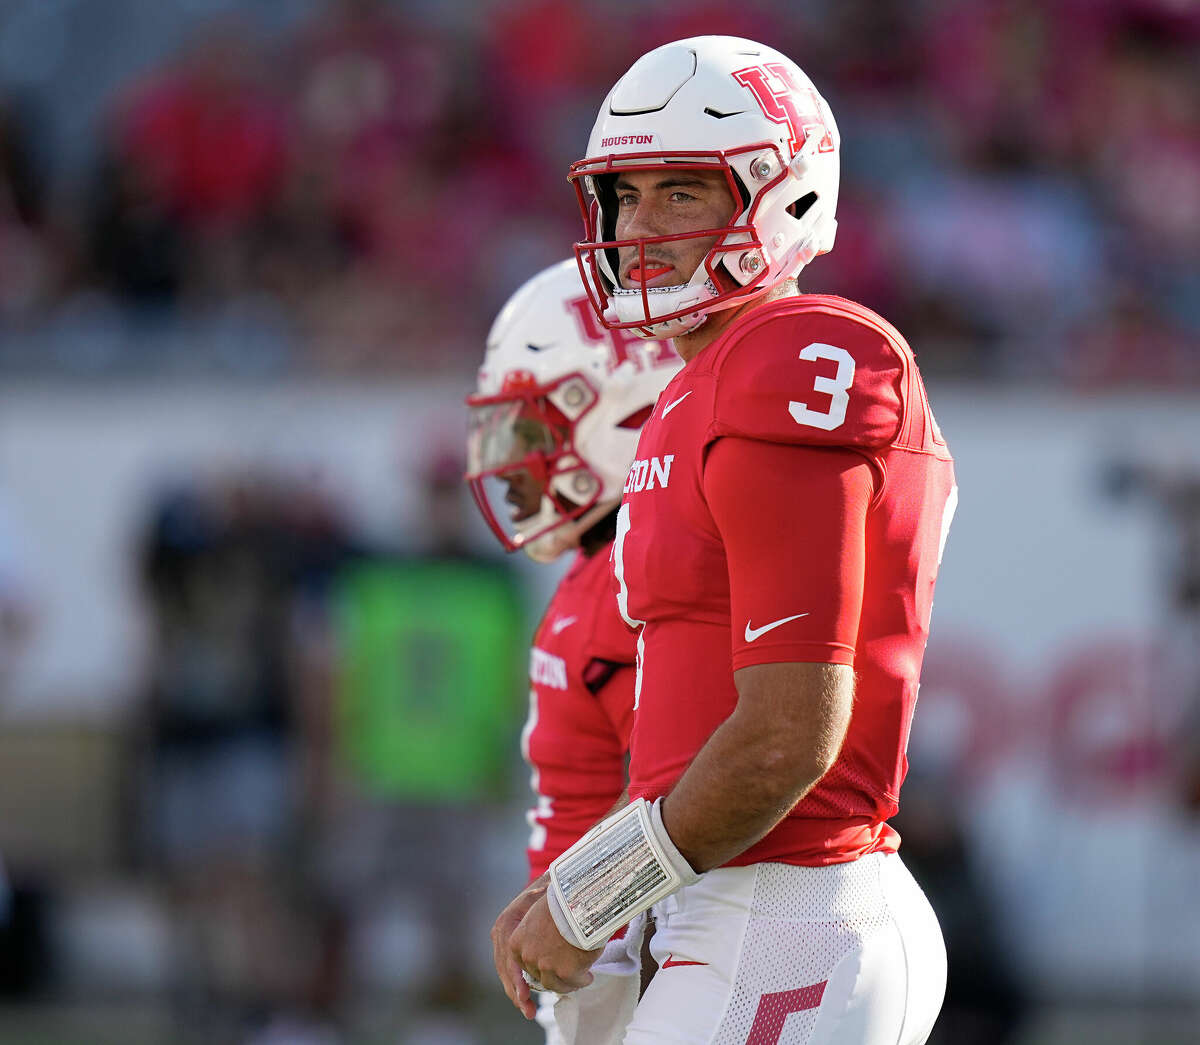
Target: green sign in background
[430,693]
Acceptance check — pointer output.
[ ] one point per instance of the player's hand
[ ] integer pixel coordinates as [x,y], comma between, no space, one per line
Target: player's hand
[539,948]
[507,966]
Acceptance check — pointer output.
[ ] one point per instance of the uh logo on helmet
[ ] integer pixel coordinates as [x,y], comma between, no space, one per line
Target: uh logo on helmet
[555,416]
[715,103]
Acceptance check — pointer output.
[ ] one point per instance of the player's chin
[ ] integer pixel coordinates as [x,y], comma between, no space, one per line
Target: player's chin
[522,504]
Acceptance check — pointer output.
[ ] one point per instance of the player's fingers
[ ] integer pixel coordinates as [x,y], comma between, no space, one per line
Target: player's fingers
[507,968]
[524,995]
[505,975]
[502,960]
[515,985]
[521,994]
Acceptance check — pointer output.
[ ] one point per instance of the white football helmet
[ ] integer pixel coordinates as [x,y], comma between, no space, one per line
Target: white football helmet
[555,417]
[711,103]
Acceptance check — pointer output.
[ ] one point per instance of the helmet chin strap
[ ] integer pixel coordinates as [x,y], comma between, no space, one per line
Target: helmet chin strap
[653,328]
[670,328]
[684,324]
[550,545]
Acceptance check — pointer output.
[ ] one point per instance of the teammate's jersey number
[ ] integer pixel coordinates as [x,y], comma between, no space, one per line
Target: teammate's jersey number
[836,387]
[537,818]
[618,562]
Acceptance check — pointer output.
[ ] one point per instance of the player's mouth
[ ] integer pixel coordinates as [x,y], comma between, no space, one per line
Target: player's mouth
[523,500]
[649,273]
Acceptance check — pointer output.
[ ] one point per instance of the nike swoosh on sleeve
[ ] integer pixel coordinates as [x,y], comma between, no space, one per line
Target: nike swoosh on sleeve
[754,633]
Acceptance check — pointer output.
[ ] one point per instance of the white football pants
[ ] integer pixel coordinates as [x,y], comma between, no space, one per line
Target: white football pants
[598,1013]
[771,954]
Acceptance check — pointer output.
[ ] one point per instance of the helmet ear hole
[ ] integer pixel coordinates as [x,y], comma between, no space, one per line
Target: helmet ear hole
[604,188]
[801,206]
[606,197]
[742,191]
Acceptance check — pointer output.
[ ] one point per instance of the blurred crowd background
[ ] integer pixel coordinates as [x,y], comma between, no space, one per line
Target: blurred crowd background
[357,185]
[260,669]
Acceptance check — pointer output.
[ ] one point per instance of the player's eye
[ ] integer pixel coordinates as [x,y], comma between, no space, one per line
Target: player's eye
[681,197]
[531,434]
[627,199]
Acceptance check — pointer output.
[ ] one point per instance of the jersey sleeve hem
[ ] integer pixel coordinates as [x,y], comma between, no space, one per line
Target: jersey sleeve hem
[794,653]
[614,654]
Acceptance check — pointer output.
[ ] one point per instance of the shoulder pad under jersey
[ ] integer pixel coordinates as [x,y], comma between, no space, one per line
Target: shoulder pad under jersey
[814,370]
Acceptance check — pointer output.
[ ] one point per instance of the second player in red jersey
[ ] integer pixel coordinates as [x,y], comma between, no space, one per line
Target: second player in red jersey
[581,675]
[553,427]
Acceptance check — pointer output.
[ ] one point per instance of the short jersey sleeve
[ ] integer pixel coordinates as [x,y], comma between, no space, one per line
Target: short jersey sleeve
[616,698]
[796,574]
[611,638]
[818,375]
[608,672]
[610,653]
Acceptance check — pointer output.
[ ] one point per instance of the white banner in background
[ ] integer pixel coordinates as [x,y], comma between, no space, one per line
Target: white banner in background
[1046,697]
[1054,692]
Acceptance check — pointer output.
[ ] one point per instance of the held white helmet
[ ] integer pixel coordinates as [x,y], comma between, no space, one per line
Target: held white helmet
[714,103]
[555,417]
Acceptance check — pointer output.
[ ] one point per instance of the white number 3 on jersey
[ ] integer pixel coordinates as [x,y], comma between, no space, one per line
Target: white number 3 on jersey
[837,387]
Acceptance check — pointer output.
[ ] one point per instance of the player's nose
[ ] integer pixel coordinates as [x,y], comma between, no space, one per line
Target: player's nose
[643,221]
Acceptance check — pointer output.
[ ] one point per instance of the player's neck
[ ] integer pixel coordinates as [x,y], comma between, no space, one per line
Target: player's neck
[599,535]
[689,346]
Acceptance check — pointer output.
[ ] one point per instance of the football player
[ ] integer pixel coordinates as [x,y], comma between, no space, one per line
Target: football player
[553,426]
[777,547]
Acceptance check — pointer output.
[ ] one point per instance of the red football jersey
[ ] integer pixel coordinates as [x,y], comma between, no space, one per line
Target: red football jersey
[815,402]
[581,678]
